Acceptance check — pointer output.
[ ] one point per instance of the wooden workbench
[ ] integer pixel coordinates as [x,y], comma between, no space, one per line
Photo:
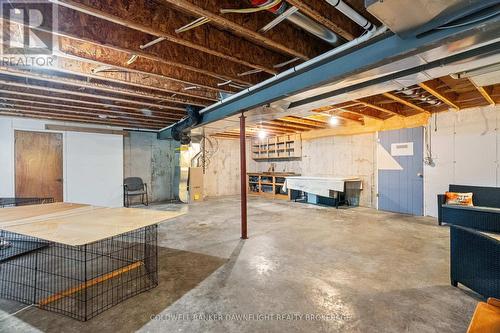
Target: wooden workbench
[268,184]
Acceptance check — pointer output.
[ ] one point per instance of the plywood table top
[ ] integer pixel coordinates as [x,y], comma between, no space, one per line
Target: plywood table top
[77,224]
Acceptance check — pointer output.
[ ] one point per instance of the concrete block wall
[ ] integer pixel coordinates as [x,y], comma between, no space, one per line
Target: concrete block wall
[352,155]
[222,173]
[154,161]
[334,156]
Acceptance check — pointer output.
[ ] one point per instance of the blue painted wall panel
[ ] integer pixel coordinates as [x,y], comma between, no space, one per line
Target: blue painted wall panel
[402,191]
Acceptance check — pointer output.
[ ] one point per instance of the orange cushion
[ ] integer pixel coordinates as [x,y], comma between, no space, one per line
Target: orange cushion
[486,318]
[456,198]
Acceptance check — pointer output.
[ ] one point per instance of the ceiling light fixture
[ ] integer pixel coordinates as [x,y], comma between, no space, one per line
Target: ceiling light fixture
[262,134]
[333,121]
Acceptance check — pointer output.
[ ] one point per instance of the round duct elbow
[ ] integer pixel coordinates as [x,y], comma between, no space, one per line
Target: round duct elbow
[180,130]
[302,21]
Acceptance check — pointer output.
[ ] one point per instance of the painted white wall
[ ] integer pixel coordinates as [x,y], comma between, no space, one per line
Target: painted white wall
[466,151]
[92,163]
[6,158]
[94,169]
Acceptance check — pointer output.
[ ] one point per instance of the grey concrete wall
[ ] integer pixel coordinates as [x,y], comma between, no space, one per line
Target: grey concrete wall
[334,156]
[154,161]
[340,156]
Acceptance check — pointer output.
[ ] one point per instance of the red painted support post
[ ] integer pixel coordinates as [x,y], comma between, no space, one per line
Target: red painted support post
[243,168]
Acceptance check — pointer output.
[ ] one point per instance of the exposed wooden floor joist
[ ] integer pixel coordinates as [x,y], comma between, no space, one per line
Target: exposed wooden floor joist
[86,69]
[63,99]
[246,26]
[87,28]
[47,80]
[161,21]
[441,94]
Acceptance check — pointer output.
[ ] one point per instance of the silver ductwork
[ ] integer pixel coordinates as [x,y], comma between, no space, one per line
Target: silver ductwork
[419,95]
[286,12]
[315,28]
[413,17]
[404,15]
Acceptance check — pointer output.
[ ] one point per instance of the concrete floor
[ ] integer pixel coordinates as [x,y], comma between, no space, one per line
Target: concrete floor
[304,269]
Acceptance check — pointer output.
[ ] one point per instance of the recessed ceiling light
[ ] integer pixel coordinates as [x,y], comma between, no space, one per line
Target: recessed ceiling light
[333,121]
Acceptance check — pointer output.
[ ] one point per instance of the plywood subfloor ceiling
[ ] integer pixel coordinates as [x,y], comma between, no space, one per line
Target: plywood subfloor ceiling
[126,63]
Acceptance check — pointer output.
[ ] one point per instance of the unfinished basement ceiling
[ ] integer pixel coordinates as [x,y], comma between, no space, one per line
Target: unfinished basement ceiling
[138,64]
[457,92]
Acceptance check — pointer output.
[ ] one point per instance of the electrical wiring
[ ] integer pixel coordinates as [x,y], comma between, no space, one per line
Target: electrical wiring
[428,159]
[250,72]
[107,69]
[196,23]
[151,43]
[252,10]
[209,151]
[288,62]
[132,59]
[479,19]
[486,124]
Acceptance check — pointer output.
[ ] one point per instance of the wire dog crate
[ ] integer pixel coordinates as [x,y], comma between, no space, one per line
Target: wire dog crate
[11,202]
[78,281]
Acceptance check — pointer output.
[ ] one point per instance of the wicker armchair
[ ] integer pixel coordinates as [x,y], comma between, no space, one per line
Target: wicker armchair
[475,260]
[484,215]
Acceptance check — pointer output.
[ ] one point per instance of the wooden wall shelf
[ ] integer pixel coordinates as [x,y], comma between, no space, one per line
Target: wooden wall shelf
[268,184]
[286,146]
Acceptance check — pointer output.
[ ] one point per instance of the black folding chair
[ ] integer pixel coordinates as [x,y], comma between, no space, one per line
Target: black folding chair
[134,186]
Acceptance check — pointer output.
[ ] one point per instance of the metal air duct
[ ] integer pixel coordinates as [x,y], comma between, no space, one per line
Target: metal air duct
[301,21]
[409,18]
[180,129]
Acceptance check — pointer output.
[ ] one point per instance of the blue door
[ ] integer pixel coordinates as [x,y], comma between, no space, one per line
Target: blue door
[400,171]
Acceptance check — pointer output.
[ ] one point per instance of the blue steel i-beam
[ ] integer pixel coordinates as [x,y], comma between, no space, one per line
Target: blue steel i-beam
[376,52]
